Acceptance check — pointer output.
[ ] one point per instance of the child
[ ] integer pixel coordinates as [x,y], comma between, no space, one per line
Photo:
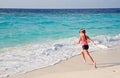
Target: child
[84,41]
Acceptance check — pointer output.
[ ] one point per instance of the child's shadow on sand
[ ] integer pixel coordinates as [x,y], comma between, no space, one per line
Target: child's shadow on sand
[103,65]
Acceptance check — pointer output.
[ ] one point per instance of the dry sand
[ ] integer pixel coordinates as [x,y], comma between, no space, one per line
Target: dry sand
[108,66]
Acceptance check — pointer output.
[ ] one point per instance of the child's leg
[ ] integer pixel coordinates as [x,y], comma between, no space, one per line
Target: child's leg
[83,55]
[90,58]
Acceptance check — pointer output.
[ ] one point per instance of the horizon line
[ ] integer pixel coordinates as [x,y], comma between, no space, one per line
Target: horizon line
[59,8]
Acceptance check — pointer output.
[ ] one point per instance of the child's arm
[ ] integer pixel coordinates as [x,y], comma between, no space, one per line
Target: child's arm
[91,40]
[78,42]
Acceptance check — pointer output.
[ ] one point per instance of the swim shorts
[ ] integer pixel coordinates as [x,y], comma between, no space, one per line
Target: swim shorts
[85,47]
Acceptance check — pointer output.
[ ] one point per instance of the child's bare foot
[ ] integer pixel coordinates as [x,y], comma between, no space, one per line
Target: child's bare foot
[94,64]
[84,61]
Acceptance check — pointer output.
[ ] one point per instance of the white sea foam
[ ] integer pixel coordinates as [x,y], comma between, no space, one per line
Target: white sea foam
[25,58]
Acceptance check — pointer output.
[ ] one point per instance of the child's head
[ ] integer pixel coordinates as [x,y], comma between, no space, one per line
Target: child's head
[82,31]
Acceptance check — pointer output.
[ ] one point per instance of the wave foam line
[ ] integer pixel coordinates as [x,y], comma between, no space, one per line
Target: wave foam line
[32,56]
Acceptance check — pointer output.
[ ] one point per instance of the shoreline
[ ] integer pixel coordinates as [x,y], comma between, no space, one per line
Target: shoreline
[103,58]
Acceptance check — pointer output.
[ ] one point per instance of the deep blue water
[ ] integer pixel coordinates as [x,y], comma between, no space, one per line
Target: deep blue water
[99,10]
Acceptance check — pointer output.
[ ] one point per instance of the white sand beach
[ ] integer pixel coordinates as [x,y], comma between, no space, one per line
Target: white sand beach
[108,66]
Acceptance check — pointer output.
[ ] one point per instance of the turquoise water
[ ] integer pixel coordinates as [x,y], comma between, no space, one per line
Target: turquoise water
[21,28]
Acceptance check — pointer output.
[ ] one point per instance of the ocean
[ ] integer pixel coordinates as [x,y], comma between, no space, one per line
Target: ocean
[37,38]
